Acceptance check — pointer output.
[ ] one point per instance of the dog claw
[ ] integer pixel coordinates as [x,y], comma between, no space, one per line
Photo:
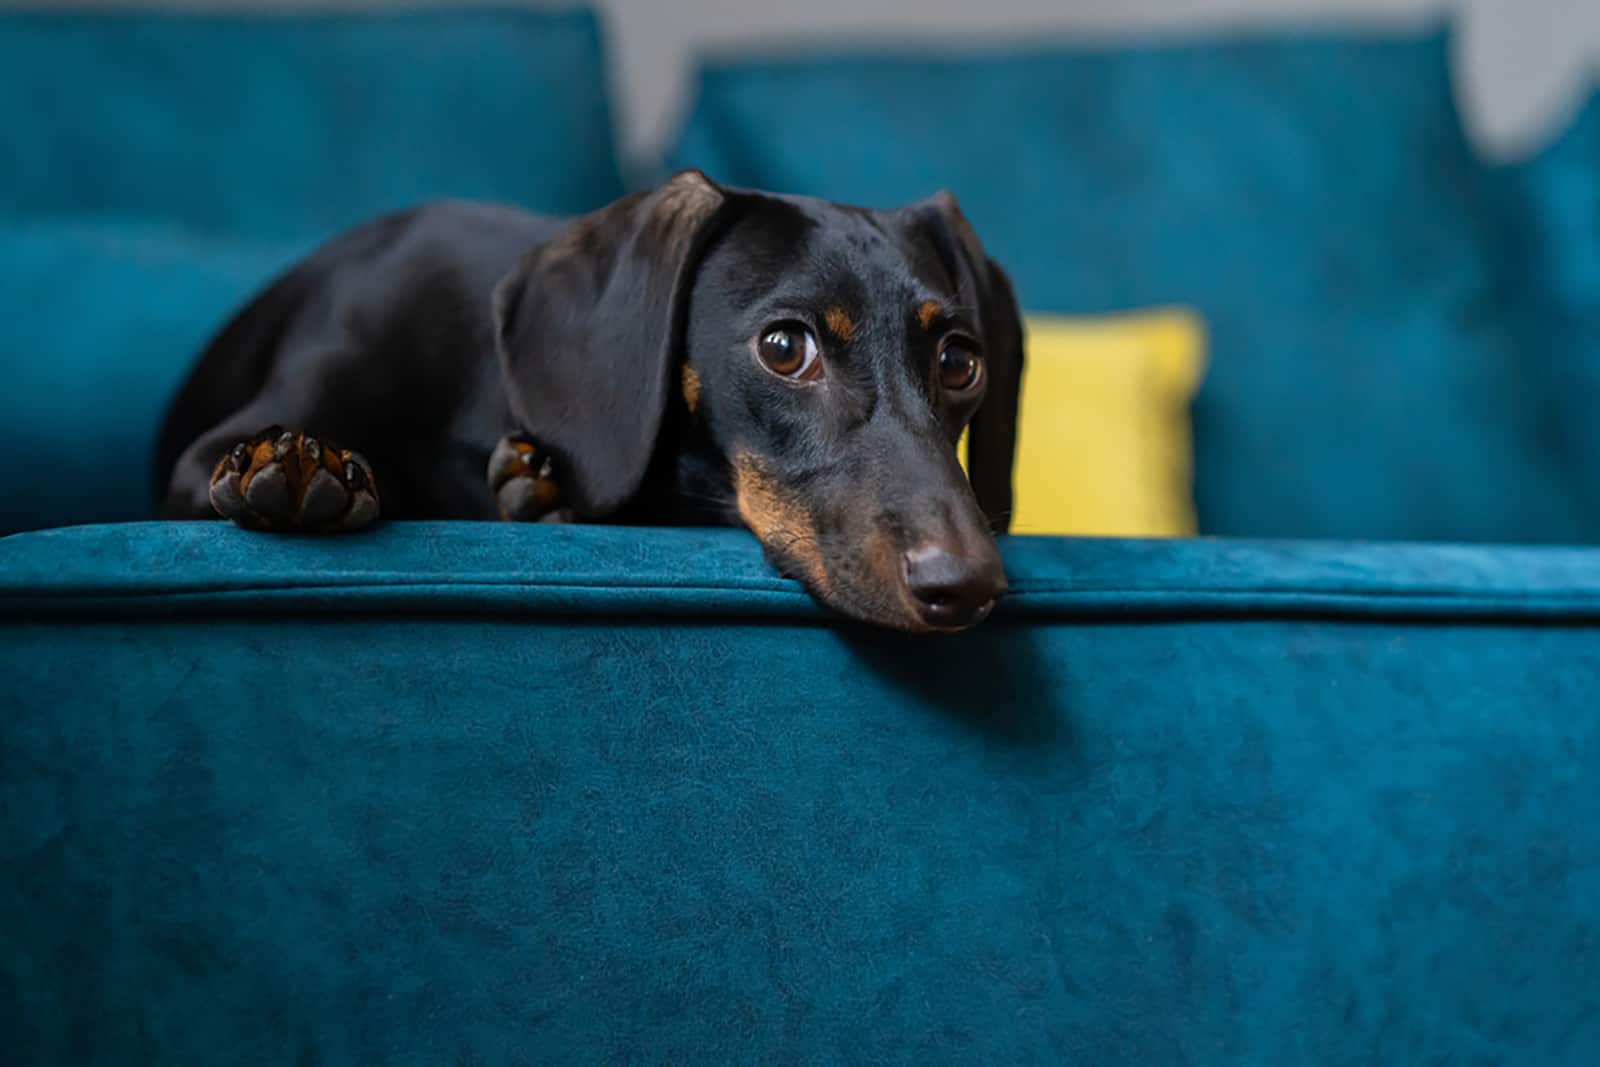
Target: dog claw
[522,479]
[280,480]
[355,473]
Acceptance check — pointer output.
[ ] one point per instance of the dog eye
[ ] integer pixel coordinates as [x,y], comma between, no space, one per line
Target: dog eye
[789,350]
[959,367]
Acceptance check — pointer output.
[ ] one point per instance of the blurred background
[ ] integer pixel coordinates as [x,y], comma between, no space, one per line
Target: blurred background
[1292,268]
[1524,65]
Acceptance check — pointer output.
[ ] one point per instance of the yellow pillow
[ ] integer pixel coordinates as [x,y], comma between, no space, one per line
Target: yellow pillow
[1103,435]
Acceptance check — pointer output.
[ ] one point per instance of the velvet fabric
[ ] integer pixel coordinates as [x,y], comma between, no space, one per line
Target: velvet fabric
[293,123]
[158,168]
[104,322]
[1311,195]
[494,794]
[1548,224]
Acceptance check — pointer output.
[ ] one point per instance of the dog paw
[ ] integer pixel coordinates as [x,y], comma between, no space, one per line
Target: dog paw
[522,479]
[282,480]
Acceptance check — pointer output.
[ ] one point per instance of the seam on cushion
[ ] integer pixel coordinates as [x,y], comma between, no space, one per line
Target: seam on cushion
[1403,601]
[780,585]
[1376,592]
[388,582]
[787,597]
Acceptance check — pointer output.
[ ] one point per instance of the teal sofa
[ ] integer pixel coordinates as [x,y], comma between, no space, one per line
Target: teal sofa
[630,798]
[1310,790]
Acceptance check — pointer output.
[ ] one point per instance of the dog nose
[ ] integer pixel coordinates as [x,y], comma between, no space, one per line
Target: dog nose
[952,591]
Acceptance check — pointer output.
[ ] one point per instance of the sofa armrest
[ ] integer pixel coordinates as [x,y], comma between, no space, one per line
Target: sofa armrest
[502,794]
[214,568]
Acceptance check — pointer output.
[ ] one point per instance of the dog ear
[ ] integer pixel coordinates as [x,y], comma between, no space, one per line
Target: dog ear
[992,436]
[587,327]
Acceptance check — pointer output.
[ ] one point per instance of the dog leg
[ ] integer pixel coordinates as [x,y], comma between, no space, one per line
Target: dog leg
[522,480]
[282,480]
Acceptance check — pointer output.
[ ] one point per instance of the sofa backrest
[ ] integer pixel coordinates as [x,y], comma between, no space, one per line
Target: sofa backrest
[1311,195]
[1546,211]
[157,169]
[279,124]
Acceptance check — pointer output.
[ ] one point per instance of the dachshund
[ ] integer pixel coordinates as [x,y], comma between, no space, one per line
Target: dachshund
[690,354]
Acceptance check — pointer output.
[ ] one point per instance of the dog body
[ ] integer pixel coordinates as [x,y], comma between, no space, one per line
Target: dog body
[691,354]
[383,338]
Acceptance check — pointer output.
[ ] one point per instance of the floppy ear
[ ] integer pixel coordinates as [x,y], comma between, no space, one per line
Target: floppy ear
[992,436]
[587,327]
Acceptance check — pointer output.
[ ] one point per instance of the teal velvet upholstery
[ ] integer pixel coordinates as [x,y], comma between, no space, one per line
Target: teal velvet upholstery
[491,794]
[289,123]
[1549,216]
[103,322]
[156,169]
[483,794]
[1312,196]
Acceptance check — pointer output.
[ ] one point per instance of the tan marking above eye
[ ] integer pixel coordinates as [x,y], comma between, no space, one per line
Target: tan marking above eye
[927,312]
[691,389]
[839,323]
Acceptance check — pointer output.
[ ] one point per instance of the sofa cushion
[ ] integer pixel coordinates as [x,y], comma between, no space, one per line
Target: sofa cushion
[1104,445]
[1310,195]
[213,568]
[1548,211]
[499,793]
[294,123]
[102,323]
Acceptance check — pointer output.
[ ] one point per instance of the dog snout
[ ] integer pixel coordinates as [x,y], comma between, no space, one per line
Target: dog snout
[951,590]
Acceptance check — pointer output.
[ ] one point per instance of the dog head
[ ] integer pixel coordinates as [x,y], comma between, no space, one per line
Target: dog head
[806,367]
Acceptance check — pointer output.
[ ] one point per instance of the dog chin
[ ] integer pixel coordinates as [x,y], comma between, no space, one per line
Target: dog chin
[885,608]
[902,617]
[843,590]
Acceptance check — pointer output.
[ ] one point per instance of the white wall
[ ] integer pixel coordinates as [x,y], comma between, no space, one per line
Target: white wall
[1522,65]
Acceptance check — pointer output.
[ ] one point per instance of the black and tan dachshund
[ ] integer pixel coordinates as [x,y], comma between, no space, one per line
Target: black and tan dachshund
[691,354]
